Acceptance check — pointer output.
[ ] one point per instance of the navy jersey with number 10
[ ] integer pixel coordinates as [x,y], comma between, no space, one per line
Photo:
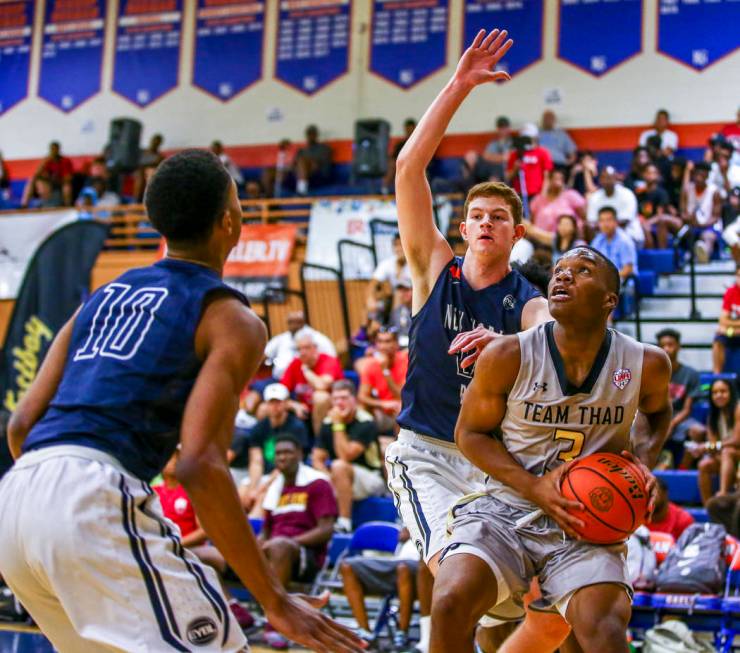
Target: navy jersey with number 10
[131,366]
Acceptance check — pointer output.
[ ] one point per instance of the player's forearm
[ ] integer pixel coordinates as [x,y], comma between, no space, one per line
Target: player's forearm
[425,139]
[489,454]
[208,483]
[650,433]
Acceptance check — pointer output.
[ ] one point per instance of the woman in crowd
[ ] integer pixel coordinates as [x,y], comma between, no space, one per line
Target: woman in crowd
[556,199]
[566,236]
[719,453]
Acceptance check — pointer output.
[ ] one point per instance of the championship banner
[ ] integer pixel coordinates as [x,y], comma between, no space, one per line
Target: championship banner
[74,31]
[599,35]
[20,237]
[522,18]
[57,281]
[261,259]
[147,57]
[335,220]
[312,43]
[408,40]
[698,33]
[16,36]
[228,46]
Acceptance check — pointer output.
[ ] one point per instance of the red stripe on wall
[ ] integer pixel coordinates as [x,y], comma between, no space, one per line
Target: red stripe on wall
[455,145]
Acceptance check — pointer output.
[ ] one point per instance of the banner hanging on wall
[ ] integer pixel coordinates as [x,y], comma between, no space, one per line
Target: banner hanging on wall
[148,36]
[698,33]
[599,35]
[312,43]
[524,21]
[73,41]
[228,46]
[408,40]
[16,36]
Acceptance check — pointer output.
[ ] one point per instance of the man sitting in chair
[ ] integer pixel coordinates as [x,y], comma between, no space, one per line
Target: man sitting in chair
[300,511]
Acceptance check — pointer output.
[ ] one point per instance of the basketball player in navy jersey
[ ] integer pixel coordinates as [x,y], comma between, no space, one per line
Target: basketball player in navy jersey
[562,390]
[458,306]
[155,358]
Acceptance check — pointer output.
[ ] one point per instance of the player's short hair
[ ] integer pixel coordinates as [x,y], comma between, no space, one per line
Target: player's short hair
[613,279]
[344,384]
[536,273]
[187,195]
[496,189]
[668,333]
[289,437]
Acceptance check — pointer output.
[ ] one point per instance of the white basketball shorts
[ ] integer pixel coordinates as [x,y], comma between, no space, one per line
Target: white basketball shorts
[86,549]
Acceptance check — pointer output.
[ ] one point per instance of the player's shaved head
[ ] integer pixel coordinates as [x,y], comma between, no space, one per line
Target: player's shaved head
[610,271]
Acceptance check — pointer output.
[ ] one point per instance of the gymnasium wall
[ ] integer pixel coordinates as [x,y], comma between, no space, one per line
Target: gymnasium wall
[624,97]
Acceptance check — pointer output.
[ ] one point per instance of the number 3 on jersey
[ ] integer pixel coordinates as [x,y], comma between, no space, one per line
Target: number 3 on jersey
[576,439]
[121,322]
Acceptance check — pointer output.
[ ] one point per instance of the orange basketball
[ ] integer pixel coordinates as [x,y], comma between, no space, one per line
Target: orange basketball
[612,490]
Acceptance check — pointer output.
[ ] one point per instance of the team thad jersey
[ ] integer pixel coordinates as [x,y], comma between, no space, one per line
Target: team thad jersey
[131,366]
[549,422]
[435,381]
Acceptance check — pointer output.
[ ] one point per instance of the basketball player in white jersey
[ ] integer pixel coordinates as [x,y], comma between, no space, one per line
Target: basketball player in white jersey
[457,305]
[559,391]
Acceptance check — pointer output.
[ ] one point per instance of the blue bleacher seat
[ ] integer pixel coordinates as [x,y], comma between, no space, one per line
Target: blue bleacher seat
[707,378]
[659,261]
[699,514]
[352,376]
[700,411]
[339,544]
[646,282]
[373,509]
[682,485]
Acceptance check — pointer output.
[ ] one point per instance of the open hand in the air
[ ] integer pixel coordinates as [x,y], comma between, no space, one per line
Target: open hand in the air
[478,63]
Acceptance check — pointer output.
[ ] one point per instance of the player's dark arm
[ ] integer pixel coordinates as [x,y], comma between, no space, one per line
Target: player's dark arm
[425,247]
[230,340]
[34,403]
[655,410]
[483,409]
[319,534]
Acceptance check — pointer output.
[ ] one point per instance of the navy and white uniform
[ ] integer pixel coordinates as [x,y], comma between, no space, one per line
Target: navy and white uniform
[84,544]
[426,472]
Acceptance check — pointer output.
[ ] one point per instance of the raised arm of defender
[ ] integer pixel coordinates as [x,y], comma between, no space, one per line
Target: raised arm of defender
[427,250]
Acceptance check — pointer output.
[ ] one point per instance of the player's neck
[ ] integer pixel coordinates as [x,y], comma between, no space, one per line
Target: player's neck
[480,273]
[198,256]
[581,340]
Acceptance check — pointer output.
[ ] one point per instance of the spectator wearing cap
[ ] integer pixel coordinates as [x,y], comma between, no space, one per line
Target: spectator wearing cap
[727,339]
[684,389]
[556,200]
[556,141]
[386,276]
[300,510]
[621,199]
[528,163]
[668,138]
[381,382]
[348,441]
[309,378]
[489,165]
[259,442]
[281,349]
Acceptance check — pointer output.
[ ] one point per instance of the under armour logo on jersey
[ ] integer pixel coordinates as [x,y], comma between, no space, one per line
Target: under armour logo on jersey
[539,386]
[509,302]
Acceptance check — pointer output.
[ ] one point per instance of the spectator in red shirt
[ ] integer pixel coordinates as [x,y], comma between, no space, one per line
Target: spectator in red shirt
[300,511]
[667,516]
[381,381]
[58,170]
[309,377]
[728,329]
[531,159]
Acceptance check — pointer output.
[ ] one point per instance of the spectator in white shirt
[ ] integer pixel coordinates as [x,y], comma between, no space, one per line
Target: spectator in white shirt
[282,349]
[623,201]
[668,138]
[218,149]
[385,279]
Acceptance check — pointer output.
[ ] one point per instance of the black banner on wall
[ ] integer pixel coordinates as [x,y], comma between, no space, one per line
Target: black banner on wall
[56,282]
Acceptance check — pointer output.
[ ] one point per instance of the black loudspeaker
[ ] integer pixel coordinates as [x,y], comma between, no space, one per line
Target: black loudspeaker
[370,155]
[122,150]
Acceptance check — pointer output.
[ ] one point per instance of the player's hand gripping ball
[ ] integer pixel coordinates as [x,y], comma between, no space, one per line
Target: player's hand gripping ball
[613,492]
